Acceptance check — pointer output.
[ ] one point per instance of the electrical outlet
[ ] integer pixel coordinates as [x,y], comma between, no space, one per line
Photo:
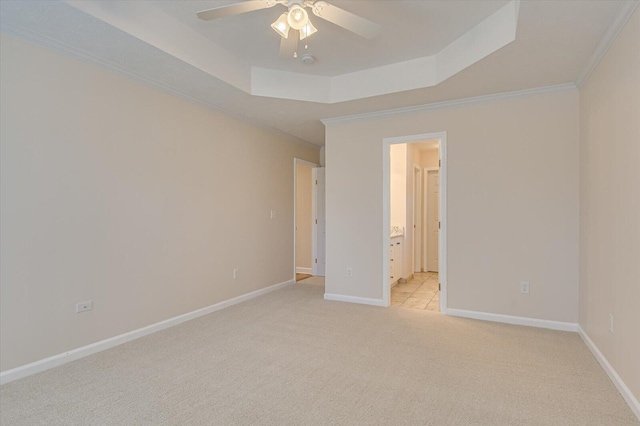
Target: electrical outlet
[611,323]
[235,274]
[84,306]
[349,272]
[524,287]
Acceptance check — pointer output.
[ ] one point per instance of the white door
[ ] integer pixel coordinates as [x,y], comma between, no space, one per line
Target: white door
[417,220]
[433,219]
[318,264]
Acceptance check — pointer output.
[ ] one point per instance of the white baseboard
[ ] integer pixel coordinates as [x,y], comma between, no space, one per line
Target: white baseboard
[353,299]
[613,375]
[56,360]
[509,319]
[303,270]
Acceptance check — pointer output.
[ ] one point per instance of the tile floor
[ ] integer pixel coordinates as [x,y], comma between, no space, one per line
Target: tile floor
[419,293]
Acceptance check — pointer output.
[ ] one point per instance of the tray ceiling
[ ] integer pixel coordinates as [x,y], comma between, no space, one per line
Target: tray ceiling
[552,45]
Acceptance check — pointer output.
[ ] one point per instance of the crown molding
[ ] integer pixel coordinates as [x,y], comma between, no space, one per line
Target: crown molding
[64,48]
[623,14]
[518,94]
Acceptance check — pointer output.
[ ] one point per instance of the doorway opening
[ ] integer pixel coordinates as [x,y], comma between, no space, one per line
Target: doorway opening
[414,217]
[308,218]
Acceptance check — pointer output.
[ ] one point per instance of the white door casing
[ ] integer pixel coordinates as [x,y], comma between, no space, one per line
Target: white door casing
[318,265]
[417,219]
[433,219]
[386,208]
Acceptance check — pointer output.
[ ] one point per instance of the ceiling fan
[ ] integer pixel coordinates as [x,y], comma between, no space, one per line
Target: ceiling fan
[294,24]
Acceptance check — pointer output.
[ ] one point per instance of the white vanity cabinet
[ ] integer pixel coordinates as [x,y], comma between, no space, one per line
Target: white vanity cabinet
[395,259]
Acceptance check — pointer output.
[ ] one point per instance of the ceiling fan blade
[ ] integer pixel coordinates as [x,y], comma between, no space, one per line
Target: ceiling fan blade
[235,9]
[289,45]
[347,20]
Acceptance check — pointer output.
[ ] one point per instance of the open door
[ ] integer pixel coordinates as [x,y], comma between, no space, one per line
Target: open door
[433,220]
[417,220]
[318,264]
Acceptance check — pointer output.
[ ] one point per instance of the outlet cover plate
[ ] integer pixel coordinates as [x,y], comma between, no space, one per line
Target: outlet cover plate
[84,306]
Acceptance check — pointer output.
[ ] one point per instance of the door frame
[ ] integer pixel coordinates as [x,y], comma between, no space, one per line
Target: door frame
[386,212]
[425,247]
[417,204]
[314,226]
[297,161]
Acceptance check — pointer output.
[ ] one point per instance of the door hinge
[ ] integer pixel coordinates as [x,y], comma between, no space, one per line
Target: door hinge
[316,221]
[439,163]
[439,286]
[438,224]
[316,181]
[316,260]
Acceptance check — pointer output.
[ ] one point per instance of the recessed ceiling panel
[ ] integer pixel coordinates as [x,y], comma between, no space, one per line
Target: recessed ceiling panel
[410,29]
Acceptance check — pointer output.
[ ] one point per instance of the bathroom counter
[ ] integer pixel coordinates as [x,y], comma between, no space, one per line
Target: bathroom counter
[396,231]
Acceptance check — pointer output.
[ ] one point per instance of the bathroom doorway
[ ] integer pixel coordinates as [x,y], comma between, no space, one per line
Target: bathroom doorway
[414,213]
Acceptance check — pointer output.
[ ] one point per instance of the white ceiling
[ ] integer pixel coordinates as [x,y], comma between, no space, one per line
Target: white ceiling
[417,28]
[553,45]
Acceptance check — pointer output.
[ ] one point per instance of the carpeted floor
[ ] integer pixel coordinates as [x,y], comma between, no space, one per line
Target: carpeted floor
[292,358]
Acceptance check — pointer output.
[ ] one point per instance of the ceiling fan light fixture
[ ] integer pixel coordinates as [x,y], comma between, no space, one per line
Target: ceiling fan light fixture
[297,17]
[307,30]
[281,26]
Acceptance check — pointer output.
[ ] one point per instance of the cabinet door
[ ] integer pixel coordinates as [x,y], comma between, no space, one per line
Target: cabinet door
[393,270]
[398,249]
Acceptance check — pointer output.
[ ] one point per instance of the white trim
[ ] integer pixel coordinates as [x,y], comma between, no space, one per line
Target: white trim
[386,240]
[81,352]
[386,222]
[303,270]
[297,161]
[510,319]
[625,10]
[419,191]
[314,225]
[518,94]
[611,372]
[443,272]
[354,299]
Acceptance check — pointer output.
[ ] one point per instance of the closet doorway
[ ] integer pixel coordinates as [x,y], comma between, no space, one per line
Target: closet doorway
[308,218]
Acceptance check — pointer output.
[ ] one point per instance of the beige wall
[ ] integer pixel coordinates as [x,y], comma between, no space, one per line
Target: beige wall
[429,158]
[303,216]
[512,208]
[398,185]
[610,205]
[116,192]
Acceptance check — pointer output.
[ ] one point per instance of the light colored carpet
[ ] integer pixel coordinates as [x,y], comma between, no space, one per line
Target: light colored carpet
[292,358]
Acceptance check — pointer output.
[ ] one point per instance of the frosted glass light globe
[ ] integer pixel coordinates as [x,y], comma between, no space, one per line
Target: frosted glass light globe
[297,17]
